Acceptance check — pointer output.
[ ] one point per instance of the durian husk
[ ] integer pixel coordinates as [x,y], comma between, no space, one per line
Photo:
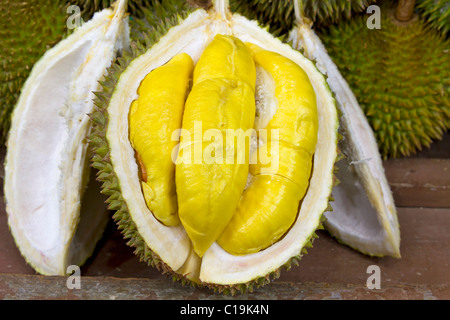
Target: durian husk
[280,18]
[152,241]
[436,14]
[56,216]
[364,214]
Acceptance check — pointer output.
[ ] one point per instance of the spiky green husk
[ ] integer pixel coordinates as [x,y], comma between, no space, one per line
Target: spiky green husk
[27,30]
[89,7]
[400,76]
[110,184]
[436,13]
[148,17]
[138,9]
[280,17]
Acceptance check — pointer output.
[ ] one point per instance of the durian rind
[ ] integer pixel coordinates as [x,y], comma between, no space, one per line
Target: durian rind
[47,159]
[364,216]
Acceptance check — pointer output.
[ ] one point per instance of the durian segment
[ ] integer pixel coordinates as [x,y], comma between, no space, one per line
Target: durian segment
[364,218]
[269,206]
[222,99]
[154,119]
[47,157]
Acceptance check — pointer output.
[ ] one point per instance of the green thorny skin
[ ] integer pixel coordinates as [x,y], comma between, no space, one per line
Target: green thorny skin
[27,30]
[436,13]
[279,15]
[400,76]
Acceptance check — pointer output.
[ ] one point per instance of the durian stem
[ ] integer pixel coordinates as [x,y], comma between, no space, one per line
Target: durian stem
[405,10]
[221,7]
[120,7]
[205,4]
[300,16]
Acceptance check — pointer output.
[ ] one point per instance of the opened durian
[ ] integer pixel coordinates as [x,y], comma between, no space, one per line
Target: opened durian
[55,211]
[206,208]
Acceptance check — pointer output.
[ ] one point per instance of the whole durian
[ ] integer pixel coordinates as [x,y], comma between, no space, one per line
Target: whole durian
[400,76]
[213,64]
[27,30]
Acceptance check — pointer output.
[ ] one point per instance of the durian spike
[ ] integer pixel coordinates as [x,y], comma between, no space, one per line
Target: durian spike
[373,230]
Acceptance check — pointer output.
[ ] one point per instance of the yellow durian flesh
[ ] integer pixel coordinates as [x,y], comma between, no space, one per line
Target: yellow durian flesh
[270,205]
[154,118]
[222,98]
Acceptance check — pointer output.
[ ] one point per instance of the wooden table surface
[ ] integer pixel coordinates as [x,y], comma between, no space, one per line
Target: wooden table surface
[421,187]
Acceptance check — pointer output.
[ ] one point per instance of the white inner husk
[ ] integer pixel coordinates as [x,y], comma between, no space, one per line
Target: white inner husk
[364,214]
[172,243]
[47,171]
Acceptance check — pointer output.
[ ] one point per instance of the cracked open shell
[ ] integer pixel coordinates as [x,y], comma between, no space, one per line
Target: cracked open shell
[179,248]
[55,211]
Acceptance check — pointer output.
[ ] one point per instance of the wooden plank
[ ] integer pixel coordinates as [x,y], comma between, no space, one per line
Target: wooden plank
[329,271]
[30,287]
[424,248]
[419,182]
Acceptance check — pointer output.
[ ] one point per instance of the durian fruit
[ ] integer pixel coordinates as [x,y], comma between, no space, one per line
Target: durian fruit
[280,18]
[242,78]
[409,106]
[55,214]
[27,30]
[364,215]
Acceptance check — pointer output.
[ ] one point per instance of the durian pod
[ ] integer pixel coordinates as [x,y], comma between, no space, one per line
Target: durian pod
[169,248]
[364,215]
[55,215]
